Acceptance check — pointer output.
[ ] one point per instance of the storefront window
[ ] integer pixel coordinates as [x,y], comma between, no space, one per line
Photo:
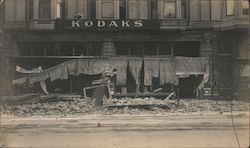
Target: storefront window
[230,7]
[169,9]
[245,7]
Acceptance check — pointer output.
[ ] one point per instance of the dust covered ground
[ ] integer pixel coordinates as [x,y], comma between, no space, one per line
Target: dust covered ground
[132,106]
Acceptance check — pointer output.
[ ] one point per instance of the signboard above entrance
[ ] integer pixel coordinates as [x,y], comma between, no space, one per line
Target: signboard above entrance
[80,24]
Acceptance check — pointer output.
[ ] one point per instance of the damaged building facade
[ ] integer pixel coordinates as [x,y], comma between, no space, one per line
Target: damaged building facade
[186,46]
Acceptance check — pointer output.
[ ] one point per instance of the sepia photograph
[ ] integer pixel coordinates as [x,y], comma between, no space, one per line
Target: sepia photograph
[124,74]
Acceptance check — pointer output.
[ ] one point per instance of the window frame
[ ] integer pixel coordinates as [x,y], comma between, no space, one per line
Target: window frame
[164,8]
[113,6]
[137,7]
[185,10]
[233,7]
[39,10]
[244,9]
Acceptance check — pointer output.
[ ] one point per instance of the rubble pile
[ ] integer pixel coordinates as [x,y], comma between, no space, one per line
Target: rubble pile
[141,101]
[48,108]
[195,105]
[122,106]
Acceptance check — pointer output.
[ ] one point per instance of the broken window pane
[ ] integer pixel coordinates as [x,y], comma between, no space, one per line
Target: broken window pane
[164,48]
[150,48]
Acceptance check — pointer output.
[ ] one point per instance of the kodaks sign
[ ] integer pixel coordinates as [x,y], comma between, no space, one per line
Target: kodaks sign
[80,24]
[109,24]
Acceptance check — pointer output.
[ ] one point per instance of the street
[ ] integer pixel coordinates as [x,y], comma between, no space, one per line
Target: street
[127,131]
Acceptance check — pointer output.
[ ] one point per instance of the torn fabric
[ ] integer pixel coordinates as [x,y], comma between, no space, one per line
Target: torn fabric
[58,72]
[38,77]
[120,65]
[19,81]
[43,86]
[34,70]
[151,69]
[71,65]
[135,66]
[190,65]
[203,82]
[64,74]
[167,71]
[89,67]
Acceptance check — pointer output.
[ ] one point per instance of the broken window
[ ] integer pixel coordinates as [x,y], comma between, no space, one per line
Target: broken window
[245,7]
[136,49]
[122,48]
[25,49]
[165,48]
[38,49]
[94,48]
[169,9]
[44,9]
[66,49]
[230,7]
[187,49]
[80,49]
[150,48]
[53,50]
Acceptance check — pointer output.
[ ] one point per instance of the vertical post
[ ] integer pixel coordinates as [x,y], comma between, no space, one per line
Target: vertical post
[71,84]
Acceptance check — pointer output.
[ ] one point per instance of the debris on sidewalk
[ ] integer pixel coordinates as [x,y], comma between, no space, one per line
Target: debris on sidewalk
[73,105]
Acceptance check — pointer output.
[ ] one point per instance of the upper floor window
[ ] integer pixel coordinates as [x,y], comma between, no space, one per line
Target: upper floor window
[92,9]
[169,9]
[184,9]
[230,7]
[153,9]
[107,9]
[44,9]
[14,10]
[60,8]
[133,9]
[122,8]
[245,7]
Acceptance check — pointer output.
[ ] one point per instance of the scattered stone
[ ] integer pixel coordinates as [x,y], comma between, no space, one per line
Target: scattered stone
[132,106]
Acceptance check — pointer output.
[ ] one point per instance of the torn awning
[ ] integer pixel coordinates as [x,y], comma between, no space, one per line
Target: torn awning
[151,69]
[190,65]
[135,66]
